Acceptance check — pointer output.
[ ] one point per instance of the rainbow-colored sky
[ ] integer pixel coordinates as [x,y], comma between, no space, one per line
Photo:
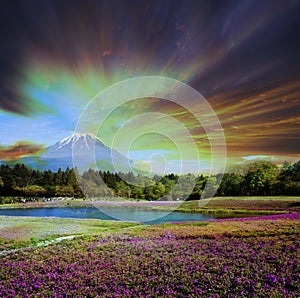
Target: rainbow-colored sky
[242,56]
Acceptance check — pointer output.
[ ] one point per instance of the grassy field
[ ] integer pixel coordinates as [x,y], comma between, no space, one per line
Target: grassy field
[235,257]
[16,232]
[256,257]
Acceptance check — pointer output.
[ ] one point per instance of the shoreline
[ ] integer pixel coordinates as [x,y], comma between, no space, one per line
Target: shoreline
[229,206]
[153,208]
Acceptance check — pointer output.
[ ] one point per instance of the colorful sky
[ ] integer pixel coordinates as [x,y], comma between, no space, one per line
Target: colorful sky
[242,56]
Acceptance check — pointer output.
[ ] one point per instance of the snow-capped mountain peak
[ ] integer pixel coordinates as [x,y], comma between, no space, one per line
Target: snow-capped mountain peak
[83,151]
[78,135]
[78,140]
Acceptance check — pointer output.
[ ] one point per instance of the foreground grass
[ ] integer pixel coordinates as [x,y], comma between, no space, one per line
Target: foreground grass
[17,232]
[223,258]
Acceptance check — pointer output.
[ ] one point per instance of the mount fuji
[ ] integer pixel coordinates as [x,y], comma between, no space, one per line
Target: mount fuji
[83,150]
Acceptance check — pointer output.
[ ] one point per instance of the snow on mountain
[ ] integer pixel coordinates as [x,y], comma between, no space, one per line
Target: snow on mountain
[83,150]
[78,137]
[78,143]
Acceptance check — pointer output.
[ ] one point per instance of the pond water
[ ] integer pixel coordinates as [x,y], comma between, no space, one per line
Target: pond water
[123,213]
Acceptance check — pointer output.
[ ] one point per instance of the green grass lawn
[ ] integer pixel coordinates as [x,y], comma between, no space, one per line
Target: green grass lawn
[18,232]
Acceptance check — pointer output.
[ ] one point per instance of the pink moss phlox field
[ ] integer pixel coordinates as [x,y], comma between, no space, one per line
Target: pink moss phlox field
[295,215]
[291,216]
[169,265]
[287,216]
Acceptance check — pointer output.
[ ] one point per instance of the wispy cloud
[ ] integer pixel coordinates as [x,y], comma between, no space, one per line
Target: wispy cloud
[19,150]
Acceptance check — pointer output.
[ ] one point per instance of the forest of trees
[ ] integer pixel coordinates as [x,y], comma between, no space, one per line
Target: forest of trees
[254,179]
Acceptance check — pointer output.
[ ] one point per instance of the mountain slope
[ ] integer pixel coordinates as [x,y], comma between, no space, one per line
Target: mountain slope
[83,151]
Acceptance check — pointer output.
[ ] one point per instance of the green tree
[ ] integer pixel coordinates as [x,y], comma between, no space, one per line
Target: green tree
[34,191]
[59,177]
[231,185]
[261,178]
[64,191]
[122,189]
[210,187]
[47,178]
[159,190]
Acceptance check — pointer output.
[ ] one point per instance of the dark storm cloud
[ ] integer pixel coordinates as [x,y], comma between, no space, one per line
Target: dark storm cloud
[240,43]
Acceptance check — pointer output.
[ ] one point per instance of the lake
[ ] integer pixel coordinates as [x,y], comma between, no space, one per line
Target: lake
[124,213]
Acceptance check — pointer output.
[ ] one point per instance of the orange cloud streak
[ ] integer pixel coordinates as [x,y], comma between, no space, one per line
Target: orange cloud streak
[19,150]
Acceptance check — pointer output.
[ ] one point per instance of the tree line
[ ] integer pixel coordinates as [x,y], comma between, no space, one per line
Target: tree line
[255,179]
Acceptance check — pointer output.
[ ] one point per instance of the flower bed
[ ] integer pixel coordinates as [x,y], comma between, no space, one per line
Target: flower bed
[168,265]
